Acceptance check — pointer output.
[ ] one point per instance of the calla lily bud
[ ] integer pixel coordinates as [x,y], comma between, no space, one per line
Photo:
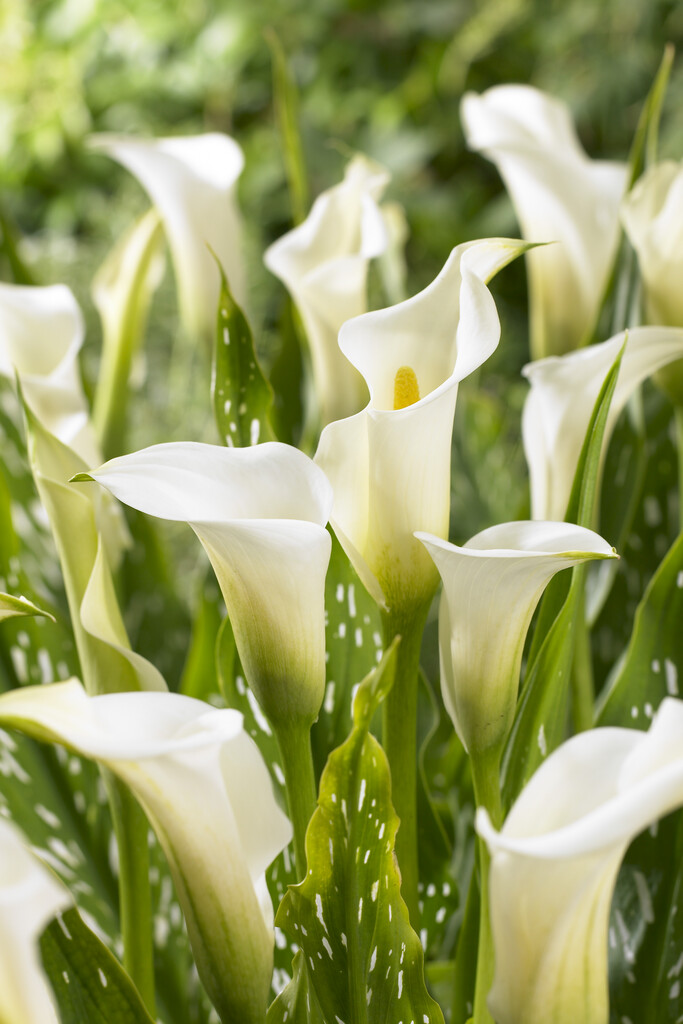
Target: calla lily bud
[563,392]
[390,464]
[192,182]
[491,587]
[554,865]
[41,333]
[652,215]
[260,514]
[208,795]
[559,195]
[30,896]
[324,263]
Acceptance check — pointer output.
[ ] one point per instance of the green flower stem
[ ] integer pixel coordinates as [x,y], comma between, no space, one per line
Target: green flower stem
[486,776]
[135,904]
[399,739]
[294,741]
[678,420]
[582,687]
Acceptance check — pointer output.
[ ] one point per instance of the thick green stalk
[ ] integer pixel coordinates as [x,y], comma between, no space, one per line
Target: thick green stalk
[582,687]
[486,775]
[678,419]
[135,904]
[294,741]
[399,739]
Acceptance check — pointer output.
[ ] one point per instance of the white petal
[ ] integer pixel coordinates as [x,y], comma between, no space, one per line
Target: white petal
[191,180]
[563,393]
[30,896]
[324,262]
[554,865]
[559,195]
[41,333]
[203,784]
[390,469]
[652,214]
[491,588]
[260,513]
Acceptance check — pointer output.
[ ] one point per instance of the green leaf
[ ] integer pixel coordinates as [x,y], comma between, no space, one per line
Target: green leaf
[286,104]
[644,147]
[11,606]
[649,670]
[89,984]
[361,958]
[353,641]
[242,397]
[540,721]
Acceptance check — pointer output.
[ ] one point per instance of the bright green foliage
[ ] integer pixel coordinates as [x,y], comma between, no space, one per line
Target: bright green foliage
[361,959]
[242,397]
[89,983]
[540,721]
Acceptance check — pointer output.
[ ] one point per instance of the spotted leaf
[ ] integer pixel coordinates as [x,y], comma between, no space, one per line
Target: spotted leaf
[360,957]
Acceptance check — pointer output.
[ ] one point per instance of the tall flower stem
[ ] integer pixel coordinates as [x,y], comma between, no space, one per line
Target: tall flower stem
[135,904]
[486,777]
[583,689]
[294,741]
[678,419]
[399,738]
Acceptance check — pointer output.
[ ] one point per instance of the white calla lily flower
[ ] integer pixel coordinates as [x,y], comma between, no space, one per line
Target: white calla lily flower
[41,334]
[389,465]
[208,795]
[652,215]
[554,865]
[192,181]
[491,587]
[324,263]
[559,195]
[563,392]
[30,896]
[260,514]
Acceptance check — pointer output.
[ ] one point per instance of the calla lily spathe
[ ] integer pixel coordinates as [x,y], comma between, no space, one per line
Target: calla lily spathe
[559,195]
[11,606]
[491,587]
[41,334]
[389,465]
[563,392]
[554,865]
[652,215]
[192,181]
[324,263]
[260,514]
[30,896]
[208,795]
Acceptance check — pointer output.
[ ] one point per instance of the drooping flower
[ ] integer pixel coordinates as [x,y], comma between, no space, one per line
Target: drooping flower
[554,865]
[192,181]
[208,795]
[559,195]
[260,514]
[30,896]
[491,587]
[324,263]
[41,333]
[389,465]
[652,215]
[563,392]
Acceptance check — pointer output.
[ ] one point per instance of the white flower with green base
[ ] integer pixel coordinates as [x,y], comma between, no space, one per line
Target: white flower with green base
[260,514]
[192,181]
[559,195]
[324,264]
[41,334]
[555,861]
[30,896]
[559,406]
[208,795]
